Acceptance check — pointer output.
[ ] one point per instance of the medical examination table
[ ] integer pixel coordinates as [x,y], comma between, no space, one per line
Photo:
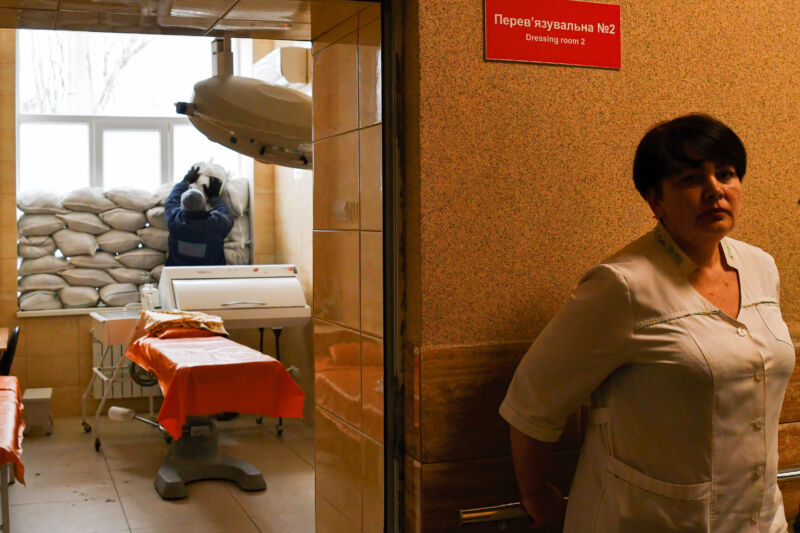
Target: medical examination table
[11,427]
[201,373]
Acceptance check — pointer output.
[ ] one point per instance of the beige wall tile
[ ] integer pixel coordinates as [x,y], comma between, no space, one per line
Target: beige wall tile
[372,387]
[51,336]
[336,182]
[369,74]
[8,213]
[331,520]
[8,138]
[8,243]
[347,25]
[53,370]
[8,283]
[337,371]
[66,401]
[369,14]
[372,487]
[19,368]
[85,324]
[8,73]
[335,87]
[338,464]
[371,283]
[336,277]
[263,178]
[371,178]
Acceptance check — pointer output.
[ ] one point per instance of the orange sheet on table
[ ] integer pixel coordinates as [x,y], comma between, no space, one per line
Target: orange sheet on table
[11,425]
[202,375]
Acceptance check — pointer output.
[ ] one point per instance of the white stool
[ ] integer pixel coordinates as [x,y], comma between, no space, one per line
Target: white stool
[37,409]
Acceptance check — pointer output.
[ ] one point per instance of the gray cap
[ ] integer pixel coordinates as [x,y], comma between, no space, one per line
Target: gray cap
[193,200]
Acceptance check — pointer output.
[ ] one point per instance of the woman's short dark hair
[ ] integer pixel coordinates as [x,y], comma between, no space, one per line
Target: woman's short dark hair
[684,142]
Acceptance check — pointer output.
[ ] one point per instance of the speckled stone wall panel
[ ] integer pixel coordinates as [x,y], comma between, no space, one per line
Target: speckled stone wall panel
[524,169]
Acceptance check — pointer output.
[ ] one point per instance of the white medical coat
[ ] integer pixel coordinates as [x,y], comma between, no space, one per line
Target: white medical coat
[684,430]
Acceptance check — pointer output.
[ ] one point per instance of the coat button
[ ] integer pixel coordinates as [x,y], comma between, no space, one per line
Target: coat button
[742,332]
[760,470]
[758,376]
[757,425]
[754,518]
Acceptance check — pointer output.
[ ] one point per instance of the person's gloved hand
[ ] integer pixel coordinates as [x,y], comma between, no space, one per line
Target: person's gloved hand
[192,175]
[213,187]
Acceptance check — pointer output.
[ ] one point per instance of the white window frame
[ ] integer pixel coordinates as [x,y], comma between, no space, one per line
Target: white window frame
[99,124]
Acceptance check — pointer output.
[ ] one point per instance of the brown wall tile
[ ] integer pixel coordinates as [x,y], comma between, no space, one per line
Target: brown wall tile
[338,465]
[436,492]
[790,490]
[331,520]
[372,387]
[336,195]
[372,487]
[789,444]
[330,23]
[337,371]
[372,283]
[369,73]
[336,277]
[335,87]
[371,178]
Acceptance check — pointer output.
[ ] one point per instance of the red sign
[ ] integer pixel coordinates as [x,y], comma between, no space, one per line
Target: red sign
[562,32]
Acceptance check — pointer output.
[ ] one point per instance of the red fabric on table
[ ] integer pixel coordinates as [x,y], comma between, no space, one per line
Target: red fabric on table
[11,425]
[208,375]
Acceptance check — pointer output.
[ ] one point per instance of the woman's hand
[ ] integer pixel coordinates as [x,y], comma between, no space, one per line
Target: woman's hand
[540,498]
[546,507]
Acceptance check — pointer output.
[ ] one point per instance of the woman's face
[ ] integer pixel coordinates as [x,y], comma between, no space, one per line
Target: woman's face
[699,205]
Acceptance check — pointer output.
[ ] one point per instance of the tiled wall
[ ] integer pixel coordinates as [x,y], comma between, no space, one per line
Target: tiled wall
[517,180]
[348,316]
[282,233]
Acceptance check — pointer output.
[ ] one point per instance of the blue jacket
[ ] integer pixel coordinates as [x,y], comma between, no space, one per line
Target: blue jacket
[196,238]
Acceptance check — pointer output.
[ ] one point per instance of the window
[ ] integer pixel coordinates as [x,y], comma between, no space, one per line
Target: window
[97,109]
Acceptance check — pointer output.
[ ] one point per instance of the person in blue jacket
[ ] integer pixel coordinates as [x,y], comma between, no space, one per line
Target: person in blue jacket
[196,236]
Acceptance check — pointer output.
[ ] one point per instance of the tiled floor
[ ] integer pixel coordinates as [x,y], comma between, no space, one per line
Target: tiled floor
[72,488]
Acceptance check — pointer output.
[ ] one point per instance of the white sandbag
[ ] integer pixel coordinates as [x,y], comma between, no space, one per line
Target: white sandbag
[77,297]
[156,217]
[162,193]
[85,222]
[87,277]
[155,238]
[48,264]
[39,301]
[132,198]
[145,258]
[156,273]
[41,282]
[119,294]
[87,199]
[40,202]
[98,260]
[35,247]
[237,196]
[30,225]
[240,234]
[124,219]
[235,255]
[75,243]
[118,241]
[129,275]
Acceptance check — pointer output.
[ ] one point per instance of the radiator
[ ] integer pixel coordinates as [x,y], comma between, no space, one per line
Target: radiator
[124,388]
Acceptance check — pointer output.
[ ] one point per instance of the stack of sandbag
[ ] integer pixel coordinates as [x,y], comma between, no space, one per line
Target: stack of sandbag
[92,248]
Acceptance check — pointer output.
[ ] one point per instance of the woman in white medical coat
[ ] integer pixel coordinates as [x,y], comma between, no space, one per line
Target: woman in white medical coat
[679,340]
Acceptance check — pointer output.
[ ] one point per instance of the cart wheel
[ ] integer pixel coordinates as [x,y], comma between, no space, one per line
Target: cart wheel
[97,445]
[168,439]
[259,419]
[86,427]
[280,431]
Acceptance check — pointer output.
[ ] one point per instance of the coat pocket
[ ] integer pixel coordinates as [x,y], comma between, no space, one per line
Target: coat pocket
[771,315]
[633,502]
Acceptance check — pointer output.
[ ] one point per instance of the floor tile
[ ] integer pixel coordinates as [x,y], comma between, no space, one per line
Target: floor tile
[68,517]
[58,486]
[208,501]
[242,525]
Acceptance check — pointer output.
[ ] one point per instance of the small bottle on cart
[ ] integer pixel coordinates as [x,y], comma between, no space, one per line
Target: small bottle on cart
[148,294]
